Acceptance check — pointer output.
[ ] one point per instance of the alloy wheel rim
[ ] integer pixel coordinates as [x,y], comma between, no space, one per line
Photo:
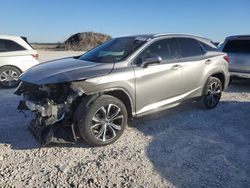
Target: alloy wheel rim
[107,122]
[9,78]
[213,94]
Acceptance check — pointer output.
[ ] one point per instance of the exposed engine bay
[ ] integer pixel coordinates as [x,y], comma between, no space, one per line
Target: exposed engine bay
[54,106]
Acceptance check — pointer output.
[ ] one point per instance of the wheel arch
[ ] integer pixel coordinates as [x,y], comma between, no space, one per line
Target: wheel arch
[124,97]
[221,77]
[119,93]
[12,66]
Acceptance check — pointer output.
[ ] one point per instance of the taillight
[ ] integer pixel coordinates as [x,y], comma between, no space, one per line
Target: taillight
[35,56]
[226,57]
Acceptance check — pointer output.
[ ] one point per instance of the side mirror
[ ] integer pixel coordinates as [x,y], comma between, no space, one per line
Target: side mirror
[151,60]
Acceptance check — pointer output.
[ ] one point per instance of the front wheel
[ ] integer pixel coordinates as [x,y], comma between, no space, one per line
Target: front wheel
[103,122]
[212,93]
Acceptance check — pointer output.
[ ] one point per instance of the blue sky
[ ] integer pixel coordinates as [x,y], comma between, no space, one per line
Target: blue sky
[56,20]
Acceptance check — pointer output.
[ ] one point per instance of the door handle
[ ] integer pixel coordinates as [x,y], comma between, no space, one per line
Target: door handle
[175,67]
[208,61]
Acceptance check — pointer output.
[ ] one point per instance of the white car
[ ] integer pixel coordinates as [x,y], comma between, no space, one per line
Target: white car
[16,56]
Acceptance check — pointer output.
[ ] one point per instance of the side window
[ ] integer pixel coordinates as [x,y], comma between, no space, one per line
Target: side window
[189,48]
[9,46]
[208,47]
[165,48]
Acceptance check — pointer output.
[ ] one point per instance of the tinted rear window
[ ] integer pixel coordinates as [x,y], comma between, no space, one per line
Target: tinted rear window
[9,46]
[189,47]
[237,46]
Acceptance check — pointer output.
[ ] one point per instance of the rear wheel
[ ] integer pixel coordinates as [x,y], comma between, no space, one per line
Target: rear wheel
[9,76]
[103,122]
[212,93]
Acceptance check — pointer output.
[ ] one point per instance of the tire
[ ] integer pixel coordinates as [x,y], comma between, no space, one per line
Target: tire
[9,76]
[93,123]
[212,93]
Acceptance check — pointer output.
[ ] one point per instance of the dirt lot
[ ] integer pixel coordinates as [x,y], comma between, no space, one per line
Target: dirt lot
[50,55]
[181,147]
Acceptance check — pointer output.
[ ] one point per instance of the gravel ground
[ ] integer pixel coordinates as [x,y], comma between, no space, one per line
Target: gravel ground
[182,147]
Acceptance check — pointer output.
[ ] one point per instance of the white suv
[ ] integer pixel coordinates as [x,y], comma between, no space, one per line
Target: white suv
[16,56]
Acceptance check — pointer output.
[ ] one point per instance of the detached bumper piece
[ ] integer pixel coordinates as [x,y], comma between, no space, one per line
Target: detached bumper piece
[47,128]
[55,133]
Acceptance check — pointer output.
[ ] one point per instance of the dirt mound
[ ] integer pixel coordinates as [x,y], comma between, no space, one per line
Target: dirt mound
[84,41]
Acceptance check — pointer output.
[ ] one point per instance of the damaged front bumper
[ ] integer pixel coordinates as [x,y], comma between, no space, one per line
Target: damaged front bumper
[53,107]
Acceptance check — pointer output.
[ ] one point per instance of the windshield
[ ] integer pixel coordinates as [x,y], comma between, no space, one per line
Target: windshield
[114,50]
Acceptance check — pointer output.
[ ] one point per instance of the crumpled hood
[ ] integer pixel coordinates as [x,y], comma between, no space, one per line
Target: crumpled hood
[64,70]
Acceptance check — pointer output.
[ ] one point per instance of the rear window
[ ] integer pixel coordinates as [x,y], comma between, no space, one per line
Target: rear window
[237,46]
[10,46]
[189,48]
[26,40]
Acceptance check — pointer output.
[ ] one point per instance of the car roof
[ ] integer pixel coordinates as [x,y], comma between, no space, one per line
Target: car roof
[9,37]
[179,35]
[147,37]
[151,36]
[18,39]
[238,37]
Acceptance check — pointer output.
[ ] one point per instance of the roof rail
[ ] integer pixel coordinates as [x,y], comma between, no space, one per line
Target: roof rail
[183,34]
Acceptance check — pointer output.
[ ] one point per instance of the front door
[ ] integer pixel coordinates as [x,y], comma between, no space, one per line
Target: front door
[157,84]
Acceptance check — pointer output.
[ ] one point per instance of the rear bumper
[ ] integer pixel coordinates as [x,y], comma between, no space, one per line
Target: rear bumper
[240,74]
[227,80]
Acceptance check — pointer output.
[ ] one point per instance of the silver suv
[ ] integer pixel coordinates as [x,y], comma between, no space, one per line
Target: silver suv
[93,95]
[238,49]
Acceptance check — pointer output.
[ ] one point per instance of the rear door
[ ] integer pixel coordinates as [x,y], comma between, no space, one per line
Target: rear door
[239,53]
[192,62]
